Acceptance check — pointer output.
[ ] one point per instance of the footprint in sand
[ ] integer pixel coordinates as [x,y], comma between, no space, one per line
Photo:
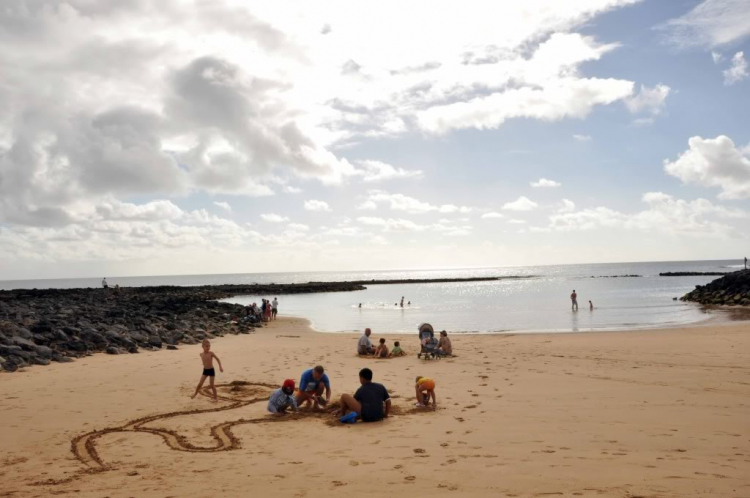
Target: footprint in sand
[410,478]
[338,483]
[419,450]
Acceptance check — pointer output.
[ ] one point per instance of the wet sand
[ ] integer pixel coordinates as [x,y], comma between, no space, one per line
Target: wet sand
[662,413]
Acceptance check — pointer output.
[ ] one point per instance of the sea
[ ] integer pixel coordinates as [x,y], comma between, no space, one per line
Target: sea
[538,302]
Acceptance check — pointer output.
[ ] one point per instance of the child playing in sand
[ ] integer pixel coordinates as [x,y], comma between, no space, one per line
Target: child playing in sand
[382,350]
[425,390]
[396,351]
[207,357]
[281,399]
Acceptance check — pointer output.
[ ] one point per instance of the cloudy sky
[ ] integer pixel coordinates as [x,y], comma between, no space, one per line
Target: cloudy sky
[210,136]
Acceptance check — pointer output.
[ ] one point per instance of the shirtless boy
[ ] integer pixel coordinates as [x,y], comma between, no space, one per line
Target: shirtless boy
[382,350]
[207,357]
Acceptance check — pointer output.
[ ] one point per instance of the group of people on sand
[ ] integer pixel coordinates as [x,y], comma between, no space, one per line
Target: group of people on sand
[267,310]
[371,402]
[366,348]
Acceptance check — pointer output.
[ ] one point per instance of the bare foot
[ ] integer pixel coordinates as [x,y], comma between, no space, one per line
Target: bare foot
[193,396]
[214,400]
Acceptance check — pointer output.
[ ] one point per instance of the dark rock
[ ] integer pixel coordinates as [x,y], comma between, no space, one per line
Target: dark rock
[23,333]
[733,289]
[112,350]
[40,361]
[44,351]
[154,341]
[133,350]
[23,343]
[41,327]
[693,273]
[172,347]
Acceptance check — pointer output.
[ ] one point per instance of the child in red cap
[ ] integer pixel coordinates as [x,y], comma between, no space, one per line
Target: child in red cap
[282,399]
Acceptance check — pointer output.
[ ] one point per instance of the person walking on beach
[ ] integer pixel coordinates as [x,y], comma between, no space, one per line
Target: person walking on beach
[591,306]
[207,357]
[371,402]
[274,308]
[574,301]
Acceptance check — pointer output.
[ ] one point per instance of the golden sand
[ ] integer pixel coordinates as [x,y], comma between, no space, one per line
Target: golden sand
[662,413]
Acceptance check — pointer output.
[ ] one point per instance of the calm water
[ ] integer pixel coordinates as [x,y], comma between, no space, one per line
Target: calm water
[539,303]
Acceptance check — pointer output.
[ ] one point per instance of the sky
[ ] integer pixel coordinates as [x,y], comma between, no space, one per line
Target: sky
[228,136]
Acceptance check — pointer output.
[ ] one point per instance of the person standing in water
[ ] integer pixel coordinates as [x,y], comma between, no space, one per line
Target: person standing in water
[402,301]
[574,301]
[591,306]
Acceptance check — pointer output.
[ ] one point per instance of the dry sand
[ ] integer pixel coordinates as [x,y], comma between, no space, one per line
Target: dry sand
[626,414]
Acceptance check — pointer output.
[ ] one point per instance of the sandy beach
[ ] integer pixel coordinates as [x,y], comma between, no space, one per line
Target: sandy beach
[660,413]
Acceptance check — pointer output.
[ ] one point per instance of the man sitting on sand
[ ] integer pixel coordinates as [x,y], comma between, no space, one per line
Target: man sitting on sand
[311,387]
[371,402]
[364,346]
[444,345]
[282,399]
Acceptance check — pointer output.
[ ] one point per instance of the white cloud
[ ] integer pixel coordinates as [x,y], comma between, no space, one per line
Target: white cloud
[664,214]
[544,86]
[376,171]
[582,138]
[738,70]
[151,211]
[545,183]
[717,57]
[315,205]
[400,202]
[291,190]
[393,225]
[273,218]
[367,206]
[223,205]
[648,100]
[492,215]
[710,24]
[521,204]
[714,163]
[566,206]
[517,221]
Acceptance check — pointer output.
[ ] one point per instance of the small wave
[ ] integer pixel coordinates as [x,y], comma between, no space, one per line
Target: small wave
[732,266]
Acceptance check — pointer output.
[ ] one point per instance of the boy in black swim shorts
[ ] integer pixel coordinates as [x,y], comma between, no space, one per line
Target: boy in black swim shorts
[207,357]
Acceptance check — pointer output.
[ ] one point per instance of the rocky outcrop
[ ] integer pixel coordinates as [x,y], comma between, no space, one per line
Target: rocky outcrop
[41,326]
[693,273]
[38,326]
[732,289]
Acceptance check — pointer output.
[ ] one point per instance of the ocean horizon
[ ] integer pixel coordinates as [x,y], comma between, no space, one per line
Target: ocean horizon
[624,295]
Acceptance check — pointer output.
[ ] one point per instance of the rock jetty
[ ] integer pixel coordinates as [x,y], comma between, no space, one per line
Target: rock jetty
[39,326]
[732,289]
[693,273]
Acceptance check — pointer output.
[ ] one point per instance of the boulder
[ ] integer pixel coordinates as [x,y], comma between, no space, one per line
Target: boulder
[112,350]
[43,351]
[23,343]
[23,333]
[154,341]
[172,347]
